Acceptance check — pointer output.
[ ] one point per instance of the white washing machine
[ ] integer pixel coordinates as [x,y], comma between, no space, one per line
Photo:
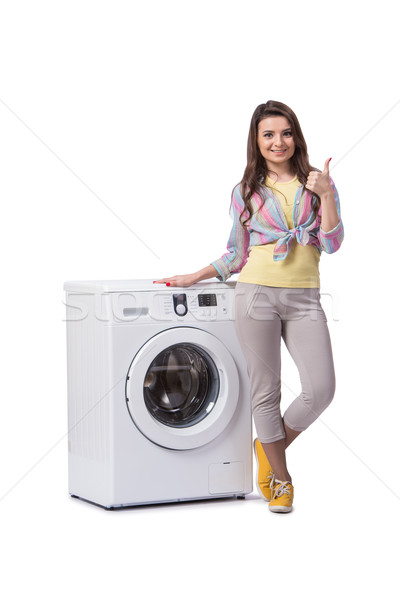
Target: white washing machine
[158,394]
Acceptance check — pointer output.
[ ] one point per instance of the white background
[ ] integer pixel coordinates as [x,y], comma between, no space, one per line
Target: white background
[123,129]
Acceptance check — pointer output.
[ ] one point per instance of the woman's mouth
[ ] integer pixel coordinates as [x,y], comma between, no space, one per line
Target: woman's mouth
[278,151]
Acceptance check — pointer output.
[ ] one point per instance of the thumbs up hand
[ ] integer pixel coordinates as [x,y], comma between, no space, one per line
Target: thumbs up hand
[319,183]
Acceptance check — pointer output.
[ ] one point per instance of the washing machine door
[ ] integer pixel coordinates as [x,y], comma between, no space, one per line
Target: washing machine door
[182,388]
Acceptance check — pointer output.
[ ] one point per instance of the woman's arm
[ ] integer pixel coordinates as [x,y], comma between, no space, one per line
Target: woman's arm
[190,278]
[329,214]
[331,232]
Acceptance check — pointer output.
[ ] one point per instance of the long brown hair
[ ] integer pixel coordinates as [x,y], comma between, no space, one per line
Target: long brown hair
[254,177]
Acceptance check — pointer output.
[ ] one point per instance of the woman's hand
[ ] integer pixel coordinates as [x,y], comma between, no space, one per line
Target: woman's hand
[179,280]
[319,183]
[191,278]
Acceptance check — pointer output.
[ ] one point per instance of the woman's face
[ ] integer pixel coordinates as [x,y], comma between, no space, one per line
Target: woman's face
[275,140]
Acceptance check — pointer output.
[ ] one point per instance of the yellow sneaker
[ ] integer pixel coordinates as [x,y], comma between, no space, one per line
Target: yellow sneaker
[265,475]
[282,497]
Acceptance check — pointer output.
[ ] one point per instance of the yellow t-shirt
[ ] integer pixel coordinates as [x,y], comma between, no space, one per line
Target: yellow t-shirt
[301,266]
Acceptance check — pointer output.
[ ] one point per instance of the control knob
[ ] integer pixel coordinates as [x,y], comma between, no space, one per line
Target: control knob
[180,309]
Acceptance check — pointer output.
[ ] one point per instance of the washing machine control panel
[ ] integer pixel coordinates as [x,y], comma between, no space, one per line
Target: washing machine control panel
[200,306]
[173,306]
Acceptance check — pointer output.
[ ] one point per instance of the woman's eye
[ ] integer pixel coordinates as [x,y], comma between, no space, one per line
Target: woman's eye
[269,135]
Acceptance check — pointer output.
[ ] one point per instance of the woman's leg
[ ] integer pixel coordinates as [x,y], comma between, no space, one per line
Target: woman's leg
[258,326]
[306,336]
[291,435]
[276,453]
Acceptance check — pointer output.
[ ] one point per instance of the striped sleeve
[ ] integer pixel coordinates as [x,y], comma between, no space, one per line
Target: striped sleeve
[332,240]
[238,243]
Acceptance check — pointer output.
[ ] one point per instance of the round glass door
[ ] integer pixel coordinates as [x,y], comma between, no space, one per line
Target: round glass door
[181,386]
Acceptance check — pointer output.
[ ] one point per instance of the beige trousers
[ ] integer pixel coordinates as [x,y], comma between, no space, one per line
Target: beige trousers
[263,315]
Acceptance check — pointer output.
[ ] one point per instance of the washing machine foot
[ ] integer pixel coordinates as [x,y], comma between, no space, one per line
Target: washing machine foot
[241,497]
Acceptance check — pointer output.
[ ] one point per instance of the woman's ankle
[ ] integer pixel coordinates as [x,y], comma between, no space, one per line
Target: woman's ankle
[283,477]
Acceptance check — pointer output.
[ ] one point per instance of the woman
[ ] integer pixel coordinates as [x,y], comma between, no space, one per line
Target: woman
[285,213]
